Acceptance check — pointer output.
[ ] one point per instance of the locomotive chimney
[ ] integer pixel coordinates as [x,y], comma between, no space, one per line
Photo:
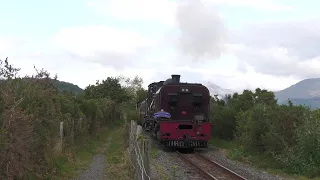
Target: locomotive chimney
[175,78]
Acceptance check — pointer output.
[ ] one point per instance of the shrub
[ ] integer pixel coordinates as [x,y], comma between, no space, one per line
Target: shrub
[31,110]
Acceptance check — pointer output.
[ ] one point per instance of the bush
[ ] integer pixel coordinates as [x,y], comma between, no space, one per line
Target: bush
[290,134]
[31,111]
[304,156]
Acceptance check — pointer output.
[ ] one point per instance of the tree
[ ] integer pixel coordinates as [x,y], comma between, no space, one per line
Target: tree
[141,94]
[109,88]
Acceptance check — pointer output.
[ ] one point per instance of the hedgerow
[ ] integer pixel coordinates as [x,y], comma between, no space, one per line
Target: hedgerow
[31,110]
[290,134]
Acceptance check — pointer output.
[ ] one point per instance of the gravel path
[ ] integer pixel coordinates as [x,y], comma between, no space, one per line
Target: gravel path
[167,165]
[95,170]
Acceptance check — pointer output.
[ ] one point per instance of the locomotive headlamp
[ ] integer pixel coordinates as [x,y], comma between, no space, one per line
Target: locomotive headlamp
[185,90]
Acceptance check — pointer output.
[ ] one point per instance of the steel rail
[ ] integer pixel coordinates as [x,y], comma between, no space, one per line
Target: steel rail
[203,172]
[239,177]
[214,165]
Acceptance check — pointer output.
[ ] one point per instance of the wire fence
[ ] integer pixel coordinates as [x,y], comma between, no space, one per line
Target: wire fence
[139,152]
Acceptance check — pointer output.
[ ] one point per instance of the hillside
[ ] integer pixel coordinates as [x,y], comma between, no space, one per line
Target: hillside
[64,86]
[69,87]
[305,92]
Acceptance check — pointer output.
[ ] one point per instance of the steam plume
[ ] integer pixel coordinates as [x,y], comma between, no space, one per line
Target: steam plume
[202,31]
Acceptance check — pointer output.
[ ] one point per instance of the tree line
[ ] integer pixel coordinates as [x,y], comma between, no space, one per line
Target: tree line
[287,133]
[32,108]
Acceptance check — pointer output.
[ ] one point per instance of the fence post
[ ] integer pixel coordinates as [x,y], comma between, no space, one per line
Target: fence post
[139,150]
[146,146]
[80,123]
[138,159]
[132,147]
[124,116]
[72,132]
[139,131]
[61,136]
[131,135]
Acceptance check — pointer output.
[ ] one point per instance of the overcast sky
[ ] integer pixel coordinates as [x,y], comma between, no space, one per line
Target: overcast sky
[235,44]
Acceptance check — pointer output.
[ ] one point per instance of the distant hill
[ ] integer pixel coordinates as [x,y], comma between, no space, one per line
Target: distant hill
[305,92]
[68,87]
[217,90]
[64,86]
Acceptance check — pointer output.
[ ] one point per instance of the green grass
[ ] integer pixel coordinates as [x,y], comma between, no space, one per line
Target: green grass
[222,143]
[261,161]
[154,153]
[119,166]
[79,157]
[160,172]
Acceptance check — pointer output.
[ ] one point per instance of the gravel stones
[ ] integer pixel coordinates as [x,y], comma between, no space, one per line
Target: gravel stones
[242,169]
[95,170]
[168,165]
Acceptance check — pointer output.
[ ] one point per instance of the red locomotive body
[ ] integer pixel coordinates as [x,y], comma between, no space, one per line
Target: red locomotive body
[188,105]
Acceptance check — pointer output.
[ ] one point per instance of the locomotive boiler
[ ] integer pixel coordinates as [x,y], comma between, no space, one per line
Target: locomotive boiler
[187,104]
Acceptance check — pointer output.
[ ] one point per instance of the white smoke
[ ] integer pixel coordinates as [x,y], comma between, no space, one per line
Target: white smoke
[202,31]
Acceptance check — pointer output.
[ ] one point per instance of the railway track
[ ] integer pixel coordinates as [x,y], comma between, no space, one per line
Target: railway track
[209,169]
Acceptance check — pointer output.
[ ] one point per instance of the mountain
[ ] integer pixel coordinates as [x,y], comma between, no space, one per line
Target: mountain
[217,90]
[63,86]
[305,92]
[69,87]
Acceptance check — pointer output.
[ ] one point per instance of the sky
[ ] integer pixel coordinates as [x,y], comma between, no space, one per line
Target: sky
[236,44]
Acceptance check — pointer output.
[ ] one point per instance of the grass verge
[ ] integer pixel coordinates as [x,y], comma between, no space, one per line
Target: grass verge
[116,156]
[79,157]
[264,162]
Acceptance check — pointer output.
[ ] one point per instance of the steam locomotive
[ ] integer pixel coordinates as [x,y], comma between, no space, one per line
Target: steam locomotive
[187,104]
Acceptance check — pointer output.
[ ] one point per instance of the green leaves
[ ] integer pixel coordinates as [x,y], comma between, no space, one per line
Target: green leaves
[32,108]
[289,133]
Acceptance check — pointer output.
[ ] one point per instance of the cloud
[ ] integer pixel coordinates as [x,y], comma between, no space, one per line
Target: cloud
[201,29]
[157,38]
[108,46]
[267,5]
[159,11]
[283,49]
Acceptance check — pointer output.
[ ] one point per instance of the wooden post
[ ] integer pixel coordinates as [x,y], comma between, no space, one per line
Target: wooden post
[146,156]
[80,123]
[61,136]
[138,142]
[72,131]
[131,137]
[125,116]
[131,144]
[139,131]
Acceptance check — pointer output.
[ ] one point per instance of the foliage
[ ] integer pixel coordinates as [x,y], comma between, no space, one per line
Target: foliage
[109,88]
[288,133]
[32,108]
